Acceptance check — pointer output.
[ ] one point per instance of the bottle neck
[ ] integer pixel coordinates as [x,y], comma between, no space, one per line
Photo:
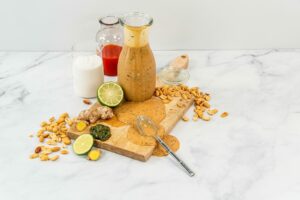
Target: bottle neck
[109,21]
[136,36]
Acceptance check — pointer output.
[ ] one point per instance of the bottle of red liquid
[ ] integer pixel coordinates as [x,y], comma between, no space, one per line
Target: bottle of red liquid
[110,57]
[109,44]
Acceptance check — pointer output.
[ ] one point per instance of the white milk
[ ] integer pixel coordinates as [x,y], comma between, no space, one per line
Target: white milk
[87,75]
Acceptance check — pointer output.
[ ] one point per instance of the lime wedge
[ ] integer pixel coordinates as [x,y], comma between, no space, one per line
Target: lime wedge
[83,144]
[110,94]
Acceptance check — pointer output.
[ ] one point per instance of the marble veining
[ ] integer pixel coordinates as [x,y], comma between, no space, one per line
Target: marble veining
[252,154]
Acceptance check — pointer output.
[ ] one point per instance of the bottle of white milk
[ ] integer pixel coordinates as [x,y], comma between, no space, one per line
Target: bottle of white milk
[87,75]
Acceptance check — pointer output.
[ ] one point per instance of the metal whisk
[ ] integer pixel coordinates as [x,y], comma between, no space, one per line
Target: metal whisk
[143,120]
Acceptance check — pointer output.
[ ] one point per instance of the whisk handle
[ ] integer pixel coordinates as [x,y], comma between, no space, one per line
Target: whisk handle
[167,148]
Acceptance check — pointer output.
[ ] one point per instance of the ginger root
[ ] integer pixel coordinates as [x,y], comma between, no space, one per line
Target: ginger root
[96,112]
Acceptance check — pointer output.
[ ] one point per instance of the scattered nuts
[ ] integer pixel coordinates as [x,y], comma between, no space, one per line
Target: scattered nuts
[207,97]
[201,100]
[46,150]
[162,97]
[52,119]
[185,118]
[212,112]
[199,113]
[156,93]
[55,129]
[206,104]
[60,120]
[54,158]
[33,156]
[195,117]
[184,96]
[205,118]
[38,149]
[69,121]
[41,139]
[165,101]
[224,114]
[64,151]
[44,157]
[55,149]
[66,140]
[51,142]
[52,132]
[87,101]
[169,98]
[64,115]
[43,124]
[40,132]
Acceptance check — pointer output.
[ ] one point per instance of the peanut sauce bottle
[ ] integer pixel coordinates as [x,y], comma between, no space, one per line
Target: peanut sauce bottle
[136,66]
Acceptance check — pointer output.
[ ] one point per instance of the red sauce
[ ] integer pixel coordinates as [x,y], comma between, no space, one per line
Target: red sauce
[110,57]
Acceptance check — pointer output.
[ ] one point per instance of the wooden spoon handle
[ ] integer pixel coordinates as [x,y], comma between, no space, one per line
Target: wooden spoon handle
[180,61]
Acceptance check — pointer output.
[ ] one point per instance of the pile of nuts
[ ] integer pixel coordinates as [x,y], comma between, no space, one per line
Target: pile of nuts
[201,100]
[52,133]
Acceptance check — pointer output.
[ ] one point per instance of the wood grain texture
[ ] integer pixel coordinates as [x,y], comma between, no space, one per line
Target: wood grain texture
[118,142]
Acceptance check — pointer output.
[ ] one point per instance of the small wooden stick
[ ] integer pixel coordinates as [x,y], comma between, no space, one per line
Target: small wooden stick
[180,61]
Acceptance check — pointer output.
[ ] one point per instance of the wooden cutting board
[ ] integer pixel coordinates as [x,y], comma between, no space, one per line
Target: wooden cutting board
[118,142]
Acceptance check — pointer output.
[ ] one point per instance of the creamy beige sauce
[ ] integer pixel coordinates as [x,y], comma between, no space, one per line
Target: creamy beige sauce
[113,122]
[137,73]
[171,141]
[135,137]
[136,66]
[152,108]
[126,114]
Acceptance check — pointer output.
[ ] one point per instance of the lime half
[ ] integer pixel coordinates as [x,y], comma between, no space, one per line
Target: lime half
[83,144]
[110,94]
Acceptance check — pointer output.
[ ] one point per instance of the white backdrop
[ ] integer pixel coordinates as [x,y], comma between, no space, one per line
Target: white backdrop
[61,25]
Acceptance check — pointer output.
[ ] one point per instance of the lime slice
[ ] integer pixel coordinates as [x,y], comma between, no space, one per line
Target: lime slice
[110,94]
[83,144]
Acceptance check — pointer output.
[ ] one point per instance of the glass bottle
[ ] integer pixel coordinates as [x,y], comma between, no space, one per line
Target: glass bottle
[109,43]
[136,67]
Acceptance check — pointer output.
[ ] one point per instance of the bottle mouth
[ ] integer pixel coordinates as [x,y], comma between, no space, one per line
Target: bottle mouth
[109,20]
[136,19]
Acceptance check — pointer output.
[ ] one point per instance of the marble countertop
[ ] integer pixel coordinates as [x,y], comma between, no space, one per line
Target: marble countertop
[252,154]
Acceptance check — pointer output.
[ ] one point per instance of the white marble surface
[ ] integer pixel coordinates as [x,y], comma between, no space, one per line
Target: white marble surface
[253,154]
